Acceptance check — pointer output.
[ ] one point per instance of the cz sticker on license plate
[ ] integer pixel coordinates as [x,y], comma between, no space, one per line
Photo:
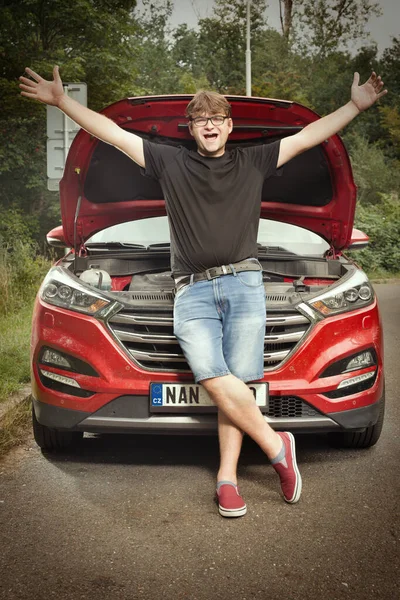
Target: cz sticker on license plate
[178,397]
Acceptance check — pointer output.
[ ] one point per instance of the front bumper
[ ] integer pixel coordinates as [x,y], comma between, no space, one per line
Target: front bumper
[131,414]
[118,399]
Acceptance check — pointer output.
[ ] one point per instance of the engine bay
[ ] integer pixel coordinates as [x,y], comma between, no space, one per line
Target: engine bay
[146,276]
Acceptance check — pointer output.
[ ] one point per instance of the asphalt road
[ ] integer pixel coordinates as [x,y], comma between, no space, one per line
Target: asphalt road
[133,517]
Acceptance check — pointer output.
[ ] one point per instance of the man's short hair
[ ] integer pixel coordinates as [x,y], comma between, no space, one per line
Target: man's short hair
[210,103]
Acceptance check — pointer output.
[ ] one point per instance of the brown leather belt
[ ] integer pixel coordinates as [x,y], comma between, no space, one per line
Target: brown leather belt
[214,272]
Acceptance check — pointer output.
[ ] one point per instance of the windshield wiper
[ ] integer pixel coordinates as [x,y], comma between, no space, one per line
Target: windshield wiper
[270,250]
[160,246]
[117,245]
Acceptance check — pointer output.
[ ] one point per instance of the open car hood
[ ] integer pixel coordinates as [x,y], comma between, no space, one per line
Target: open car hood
[101,186]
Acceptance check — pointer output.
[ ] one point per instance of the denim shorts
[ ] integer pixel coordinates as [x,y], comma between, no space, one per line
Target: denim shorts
[220,326]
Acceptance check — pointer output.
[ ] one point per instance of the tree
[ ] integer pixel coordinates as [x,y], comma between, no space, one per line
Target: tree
[319,27]
[278,72]
[91,40]
[391,123]
[157,72]
[390,65]
[222,43]
[374,174]
[286,17]
[381,222]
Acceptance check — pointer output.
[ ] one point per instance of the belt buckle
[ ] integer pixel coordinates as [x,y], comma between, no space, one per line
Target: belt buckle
[209,274]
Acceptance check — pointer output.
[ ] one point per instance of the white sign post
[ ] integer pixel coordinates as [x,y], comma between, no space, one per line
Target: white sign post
[61,130]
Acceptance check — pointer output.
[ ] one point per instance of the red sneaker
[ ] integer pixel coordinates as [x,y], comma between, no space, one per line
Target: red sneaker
[287,469]
[230,502]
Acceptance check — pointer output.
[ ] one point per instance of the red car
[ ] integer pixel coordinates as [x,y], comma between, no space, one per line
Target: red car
[104,357]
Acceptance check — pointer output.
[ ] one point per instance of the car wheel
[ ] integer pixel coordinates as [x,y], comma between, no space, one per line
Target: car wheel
[54,440]
[363,439]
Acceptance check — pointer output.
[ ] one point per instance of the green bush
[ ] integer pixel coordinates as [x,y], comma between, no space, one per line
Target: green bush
[15,330]
[381,222]
[374,173]
[22,268]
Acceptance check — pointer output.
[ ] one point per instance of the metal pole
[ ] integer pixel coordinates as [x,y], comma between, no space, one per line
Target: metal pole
[66,133]
[248,52]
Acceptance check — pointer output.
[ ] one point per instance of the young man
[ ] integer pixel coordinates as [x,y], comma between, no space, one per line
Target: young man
[219,312]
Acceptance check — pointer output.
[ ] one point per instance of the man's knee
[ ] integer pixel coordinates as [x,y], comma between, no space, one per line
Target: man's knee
[214,385]
[211,382]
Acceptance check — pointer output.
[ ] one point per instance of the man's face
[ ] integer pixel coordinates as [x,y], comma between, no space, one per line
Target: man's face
[210,137]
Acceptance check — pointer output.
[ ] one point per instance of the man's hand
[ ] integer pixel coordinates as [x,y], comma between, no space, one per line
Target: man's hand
[48,92]
[364,96]
[52,92]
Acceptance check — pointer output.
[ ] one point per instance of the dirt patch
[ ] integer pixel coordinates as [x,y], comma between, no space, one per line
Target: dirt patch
[15,423]
[14,399]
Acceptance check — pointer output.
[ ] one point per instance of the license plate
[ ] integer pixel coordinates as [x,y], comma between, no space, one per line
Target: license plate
[182,397]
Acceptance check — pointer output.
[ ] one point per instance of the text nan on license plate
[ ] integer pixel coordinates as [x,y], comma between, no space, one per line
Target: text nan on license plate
[186,396]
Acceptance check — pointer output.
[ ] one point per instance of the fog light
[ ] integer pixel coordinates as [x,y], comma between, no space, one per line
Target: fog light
[60,378]
[356,379]
[365,359]
[62,360]
[362,360]
[54,358]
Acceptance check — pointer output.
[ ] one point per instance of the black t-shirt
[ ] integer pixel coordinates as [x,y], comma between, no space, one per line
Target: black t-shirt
[213,204]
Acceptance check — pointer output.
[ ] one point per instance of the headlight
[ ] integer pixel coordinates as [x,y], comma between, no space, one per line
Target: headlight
[355,293]
[61,290]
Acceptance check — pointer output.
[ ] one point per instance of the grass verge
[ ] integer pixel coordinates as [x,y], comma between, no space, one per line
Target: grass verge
[14,351]
[381,276]
[14,425]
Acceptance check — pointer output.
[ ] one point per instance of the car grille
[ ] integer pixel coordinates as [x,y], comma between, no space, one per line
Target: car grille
[147,336]
[289,407]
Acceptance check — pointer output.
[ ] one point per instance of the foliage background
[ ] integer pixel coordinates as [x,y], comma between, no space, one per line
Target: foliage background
[118,51]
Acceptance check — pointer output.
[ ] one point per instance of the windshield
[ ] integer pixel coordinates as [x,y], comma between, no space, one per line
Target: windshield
[271,234]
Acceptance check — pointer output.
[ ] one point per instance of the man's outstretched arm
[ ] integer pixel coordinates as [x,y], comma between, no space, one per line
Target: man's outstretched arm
[362,97]
[52,92]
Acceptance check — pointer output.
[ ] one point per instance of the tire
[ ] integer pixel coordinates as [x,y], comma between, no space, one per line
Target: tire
[54,440]
[363,439]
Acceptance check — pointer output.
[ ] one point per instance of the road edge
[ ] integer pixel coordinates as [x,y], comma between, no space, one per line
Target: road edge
[14,419]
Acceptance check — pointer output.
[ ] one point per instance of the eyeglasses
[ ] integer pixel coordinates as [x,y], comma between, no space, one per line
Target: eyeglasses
[202,121]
